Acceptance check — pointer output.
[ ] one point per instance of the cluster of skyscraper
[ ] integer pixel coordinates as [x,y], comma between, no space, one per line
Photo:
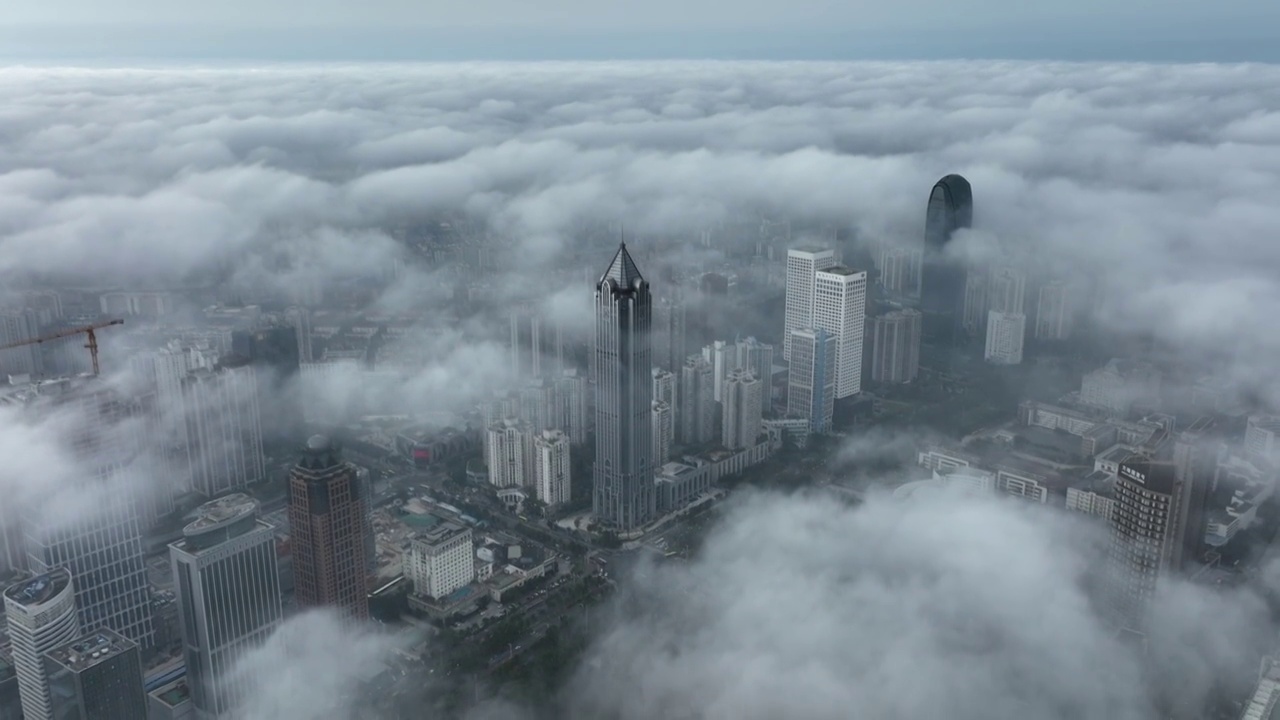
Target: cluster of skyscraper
[826,308]
[1000,306]
[827,313]
[646,405]
[1175,496]
[529,433]
[81,625]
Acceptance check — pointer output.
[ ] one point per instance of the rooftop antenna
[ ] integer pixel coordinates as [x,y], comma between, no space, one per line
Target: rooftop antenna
[622,234]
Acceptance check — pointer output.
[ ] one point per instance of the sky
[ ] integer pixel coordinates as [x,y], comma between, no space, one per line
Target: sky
[154,30]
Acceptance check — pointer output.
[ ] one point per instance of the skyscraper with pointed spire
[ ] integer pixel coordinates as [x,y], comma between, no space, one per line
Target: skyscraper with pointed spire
[623,493]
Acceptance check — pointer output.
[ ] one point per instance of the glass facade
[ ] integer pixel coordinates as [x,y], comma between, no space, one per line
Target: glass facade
[942,280]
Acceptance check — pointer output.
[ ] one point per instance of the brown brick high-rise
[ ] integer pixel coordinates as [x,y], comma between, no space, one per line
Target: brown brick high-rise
[326,528]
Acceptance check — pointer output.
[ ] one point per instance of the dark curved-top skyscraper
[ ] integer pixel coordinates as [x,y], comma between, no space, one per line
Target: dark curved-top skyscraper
[942,280]
[950,208]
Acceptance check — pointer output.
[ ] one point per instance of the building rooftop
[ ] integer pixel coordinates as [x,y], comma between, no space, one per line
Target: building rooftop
[39,589]
[813,249]
[319,443]
[173,694]
[197,543]
[221,512]
[1097,481]
[1117,454]
[441,532]
[622,269]
[33,390]
[843,270]
[79,655]
[674,470]
[1266,422]
[1154,476]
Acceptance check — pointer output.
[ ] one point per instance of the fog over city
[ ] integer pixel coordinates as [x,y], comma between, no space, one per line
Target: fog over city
[1154,186]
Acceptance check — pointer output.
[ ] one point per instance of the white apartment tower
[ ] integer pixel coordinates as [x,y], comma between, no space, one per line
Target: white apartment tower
[224,429]
[552,469]
[899,269]
[895,356]
[663,432]
[802,263]
[441,560]
[536,345]
[1261,435]
[697,408]
[228,590]
[840,308]
[974,320]
[1055,311]
[572,398]
[300,318]
[159,378]
[1007,291]
[743,409]
[1005,333]
[41,616]
[664,387]
[538,407]
[757,357]
[723,358]
[510,454]
[1119,384]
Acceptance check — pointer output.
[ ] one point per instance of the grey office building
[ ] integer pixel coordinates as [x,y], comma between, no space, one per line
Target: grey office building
[102,549]
[811,378]
[228,589]
[624,494]
[97,677]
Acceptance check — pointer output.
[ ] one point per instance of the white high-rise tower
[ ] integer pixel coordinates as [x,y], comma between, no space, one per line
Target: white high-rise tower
[802,263]
[552,467]
[1005,333]
[41,614]
[743,407]
[840,308]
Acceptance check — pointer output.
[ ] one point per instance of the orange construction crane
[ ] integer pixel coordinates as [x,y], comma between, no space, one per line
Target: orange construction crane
[89,330]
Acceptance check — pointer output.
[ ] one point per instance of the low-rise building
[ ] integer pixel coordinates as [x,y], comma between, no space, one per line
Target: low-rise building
[171,701]
[440,560]
[1094,494]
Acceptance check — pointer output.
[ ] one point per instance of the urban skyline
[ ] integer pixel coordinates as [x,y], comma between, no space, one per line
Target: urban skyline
[950,380]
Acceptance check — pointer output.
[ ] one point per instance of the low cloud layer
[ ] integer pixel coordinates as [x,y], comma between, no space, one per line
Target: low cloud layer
[944,606]
[1157,182]
[311,667]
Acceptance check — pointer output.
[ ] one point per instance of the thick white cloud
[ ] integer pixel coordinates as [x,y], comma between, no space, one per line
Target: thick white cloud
[1160,177]
[945,606]
[311,668]
[1160,181]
